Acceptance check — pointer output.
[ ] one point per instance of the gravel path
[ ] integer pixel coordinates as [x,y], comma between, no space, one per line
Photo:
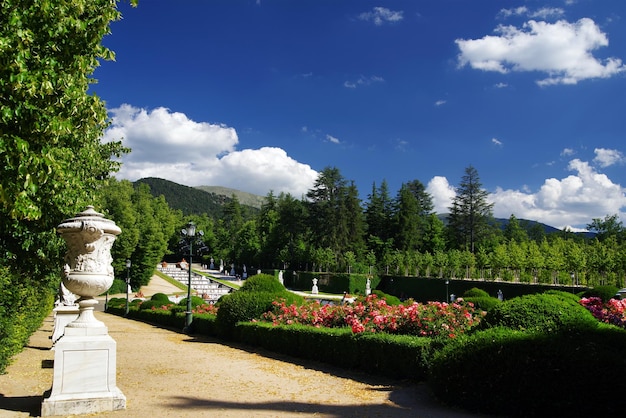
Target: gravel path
[164,373]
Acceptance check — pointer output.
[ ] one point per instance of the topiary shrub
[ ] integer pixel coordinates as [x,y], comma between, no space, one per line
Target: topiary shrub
[521,365]
[161,297]
[242,306]
[603,292]
[484,303]
[564,295]
[262,283]
[539,312]
[246,306]
[195,301]
[475,292]
[390,299]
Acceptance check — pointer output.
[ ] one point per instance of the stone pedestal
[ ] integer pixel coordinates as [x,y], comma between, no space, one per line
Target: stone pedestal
[84,374]
[85,357]
[63,315]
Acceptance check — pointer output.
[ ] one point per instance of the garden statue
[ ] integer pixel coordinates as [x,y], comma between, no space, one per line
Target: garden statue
[314,290]
[84,378]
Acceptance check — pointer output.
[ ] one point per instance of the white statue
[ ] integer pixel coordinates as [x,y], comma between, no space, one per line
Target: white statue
[315,290]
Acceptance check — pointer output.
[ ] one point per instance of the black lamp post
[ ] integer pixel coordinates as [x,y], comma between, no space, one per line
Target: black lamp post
[189,237]
[127,284]
[447,293]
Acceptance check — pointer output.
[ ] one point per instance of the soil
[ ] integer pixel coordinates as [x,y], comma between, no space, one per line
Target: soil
[165,373]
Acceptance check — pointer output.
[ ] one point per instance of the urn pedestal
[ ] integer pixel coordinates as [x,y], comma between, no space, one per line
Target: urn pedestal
[84,380]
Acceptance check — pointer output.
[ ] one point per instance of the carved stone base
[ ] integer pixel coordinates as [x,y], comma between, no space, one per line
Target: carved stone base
[84,374]
[63,315]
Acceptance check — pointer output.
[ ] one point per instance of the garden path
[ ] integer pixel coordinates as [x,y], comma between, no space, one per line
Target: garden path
[166,373]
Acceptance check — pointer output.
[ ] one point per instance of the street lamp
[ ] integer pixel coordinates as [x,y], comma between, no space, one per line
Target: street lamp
[447,297]
[189,237]
[127,284]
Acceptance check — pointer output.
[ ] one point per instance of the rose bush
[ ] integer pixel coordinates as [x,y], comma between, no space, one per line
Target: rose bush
[611,312]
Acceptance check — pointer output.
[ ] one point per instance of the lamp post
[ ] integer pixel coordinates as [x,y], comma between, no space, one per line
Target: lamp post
[127,284]
[447,297]
[189,237]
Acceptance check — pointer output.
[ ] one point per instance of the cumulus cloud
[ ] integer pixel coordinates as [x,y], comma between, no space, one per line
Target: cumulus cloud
[440,102]
[171,146]
[574,200]
[381,15]
[442,193]
[542,13]
[496,142]
[608,157]
[571,202]
[562,50]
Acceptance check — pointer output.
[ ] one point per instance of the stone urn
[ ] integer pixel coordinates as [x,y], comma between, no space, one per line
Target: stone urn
[87,271]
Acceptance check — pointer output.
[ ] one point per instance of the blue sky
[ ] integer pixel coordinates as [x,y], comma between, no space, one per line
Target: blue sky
[262,95]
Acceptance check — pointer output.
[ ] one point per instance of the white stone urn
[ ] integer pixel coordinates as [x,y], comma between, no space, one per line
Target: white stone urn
[87,271]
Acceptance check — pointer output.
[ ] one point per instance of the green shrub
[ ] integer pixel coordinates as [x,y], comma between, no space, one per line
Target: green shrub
[563,295]
[118,286]
[539,312]
[475,292]
[603,292]
[242,306]
[262,283]
[162,297]
[485,303]
[390,299]
[506,372]
[195,301]
[116,303]
[149,304]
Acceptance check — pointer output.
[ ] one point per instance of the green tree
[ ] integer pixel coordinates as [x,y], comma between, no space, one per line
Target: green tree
[607,227]
[407,221]
[514,232]
[470,214]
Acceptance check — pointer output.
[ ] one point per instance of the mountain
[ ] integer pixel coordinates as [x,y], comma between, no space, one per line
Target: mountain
[246,199]
[187,199]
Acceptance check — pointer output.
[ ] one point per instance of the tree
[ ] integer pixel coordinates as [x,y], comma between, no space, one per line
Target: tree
[514,232]
[407,220]
[51,159]
[470,213]
[607,227]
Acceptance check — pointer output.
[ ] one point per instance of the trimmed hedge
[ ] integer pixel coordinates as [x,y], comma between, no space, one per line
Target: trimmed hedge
[396,356]
[540,312]
[514,373]
[485,303]
[161,297]
[262,283]
[475,292]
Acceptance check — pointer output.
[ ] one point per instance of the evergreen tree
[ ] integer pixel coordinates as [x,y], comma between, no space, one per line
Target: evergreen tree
[407,221]
[470,213]
[327,210]
[514,232]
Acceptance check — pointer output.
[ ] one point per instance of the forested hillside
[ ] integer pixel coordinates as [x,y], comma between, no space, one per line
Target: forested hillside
[191,200]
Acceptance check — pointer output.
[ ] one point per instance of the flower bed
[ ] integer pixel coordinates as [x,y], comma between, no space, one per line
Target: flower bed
[432,319]
[611,312]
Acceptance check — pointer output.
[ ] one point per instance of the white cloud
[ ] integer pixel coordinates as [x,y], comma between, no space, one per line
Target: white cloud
[543,13]
[608,157]
[567,152]
[332,139]
[442,193]
[573,200]
[562,50]
[381,15]
[363,81]
[496,141]
[501,85]
[171,146]
[569,202]
[440,102]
